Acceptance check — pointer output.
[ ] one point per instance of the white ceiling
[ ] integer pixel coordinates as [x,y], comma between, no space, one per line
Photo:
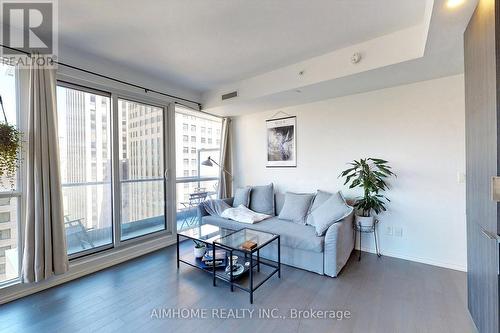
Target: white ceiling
[203,44]
[433,48]
[199,49]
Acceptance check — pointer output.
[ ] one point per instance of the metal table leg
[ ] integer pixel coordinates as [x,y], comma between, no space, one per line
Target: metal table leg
[231,269]
[258,260]
[279,257]
[213,264]
[178,262]
[251,279]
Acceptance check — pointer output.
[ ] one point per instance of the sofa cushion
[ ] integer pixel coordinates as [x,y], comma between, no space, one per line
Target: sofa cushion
[319,199]
[262,199]
[332,210]
[296,207]
[292,235]
[242,196]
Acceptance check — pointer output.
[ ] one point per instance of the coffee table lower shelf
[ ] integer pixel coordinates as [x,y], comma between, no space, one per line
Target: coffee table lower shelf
[249,281]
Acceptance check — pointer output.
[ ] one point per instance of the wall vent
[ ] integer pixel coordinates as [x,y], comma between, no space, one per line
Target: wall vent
[232,94]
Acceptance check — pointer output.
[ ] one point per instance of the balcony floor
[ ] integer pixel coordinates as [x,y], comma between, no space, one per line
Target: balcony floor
[142,228]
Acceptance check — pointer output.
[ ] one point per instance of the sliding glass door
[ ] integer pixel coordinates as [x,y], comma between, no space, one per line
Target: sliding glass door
[84,131]
[142,168]
[112,157]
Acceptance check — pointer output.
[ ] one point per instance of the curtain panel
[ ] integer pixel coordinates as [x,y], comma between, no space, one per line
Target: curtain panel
[225,189]
[44,235]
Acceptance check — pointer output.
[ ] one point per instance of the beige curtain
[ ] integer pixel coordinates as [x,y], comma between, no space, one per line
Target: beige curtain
[44,239]
[225,189]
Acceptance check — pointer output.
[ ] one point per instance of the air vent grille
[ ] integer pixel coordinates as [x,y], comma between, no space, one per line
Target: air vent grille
[232,94]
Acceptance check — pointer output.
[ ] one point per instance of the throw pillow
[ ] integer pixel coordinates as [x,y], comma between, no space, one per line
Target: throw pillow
[319,199]
[332,210]
[296,207]
[262,199]
[242,196]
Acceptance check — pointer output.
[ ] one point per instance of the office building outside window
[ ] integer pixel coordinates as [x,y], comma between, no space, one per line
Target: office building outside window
[194,179]
[10,197]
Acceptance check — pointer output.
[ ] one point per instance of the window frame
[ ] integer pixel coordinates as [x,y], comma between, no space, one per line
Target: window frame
[168,107]
[90,90]
[19,192]
[165,108]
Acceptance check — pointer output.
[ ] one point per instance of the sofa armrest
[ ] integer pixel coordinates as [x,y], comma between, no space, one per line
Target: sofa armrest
[339,243]
[200,210]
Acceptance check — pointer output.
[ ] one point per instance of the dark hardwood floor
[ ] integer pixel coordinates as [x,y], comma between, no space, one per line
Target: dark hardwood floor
[382,295]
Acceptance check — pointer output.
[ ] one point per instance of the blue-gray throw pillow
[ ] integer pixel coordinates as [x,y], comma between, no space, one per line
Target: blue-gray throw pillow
[319,199]
[296,207]
[242,196]
[332,210]
[262,199]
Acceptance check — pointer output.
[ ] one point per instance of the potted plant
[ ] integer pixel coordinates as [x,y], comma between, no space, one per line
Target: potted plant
[199,249]
[369,174]
[10,148]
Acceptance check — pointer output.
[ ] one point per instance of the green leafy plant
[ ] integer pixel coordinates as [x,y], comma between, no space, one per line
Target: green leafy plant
[370,174]
[10,149]
[198,244]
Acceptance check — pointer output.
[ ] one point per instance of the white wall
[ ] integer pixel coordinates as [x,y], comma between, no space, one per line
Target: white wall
[419,128]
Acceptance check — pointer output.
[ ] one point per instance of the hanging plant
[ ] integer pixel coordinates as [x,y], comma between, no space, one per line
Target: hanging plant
[10,149]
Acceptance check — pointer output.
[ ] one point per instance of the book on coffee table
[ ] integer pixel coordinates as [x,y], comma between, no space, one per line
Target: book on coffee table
[248,245]
[219,255]
[220,259]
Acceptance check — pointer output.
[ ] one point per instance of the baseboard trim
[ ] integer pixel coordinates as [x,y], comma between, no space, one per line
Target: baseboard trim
[427,261]
[87,266]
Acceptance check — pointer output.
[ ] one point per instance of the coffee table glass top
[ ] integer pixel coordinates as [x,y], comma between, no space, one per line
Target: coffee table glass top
[206,233]
[236,239]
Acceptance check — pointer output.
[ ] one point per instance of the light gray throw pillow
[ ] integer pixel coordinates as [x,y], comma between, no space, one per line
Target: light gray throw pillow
[296,207]
[242,196]
[262,199]
[332,210]
[319,199]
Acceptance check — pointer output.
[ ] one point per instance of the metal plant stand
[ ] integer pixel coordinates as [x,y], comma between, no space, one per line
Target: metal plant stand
[363,230]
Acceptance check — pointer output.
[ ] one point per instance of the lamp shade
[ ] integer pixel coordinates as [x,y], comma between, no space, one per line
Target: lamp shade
[207,162]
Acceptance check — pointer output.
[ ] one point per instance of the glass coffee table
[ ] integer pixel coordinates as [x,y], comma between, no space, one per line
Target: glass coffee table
[233,242]
[206,234]
[245,269]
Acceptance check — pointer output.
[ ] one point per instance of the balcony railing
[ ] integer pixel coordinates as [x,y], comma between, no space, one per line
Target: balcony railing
[81,236]
[188,198]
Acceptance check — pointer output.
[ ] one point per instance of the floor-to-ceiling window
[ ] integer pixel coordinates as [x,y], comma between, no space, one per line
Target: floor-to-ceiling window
[112,158]
[197,137]
[10,188]
[85,162]
[113,165]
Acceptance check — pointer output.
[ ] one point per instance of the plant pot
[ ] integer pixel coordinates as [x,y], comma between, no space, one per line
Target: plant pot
[365,222]
[199,251]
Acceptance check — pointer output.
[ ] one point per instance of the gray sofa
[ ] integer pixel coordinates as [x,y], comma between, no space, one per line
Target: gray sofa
[300,247]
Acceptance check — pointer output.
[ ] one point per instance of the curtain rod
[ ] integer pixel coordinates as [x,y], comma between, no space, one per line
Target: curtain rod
[110,78]
[200,111]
